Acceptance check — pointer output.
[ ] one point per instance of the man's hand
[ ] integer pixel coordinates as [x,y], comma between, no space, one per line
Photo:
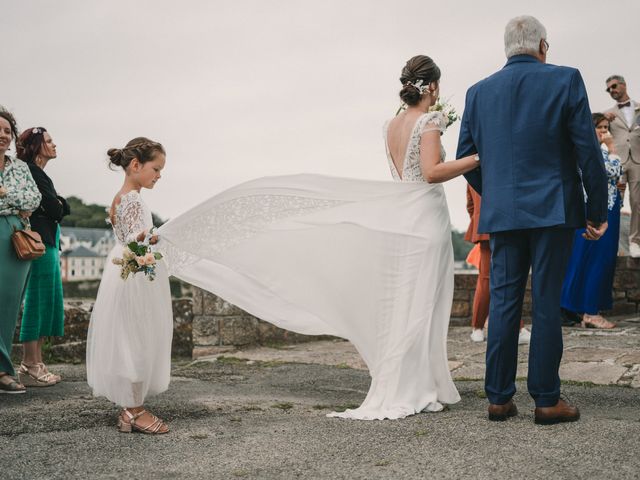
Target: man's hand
[610,116]
[594,230]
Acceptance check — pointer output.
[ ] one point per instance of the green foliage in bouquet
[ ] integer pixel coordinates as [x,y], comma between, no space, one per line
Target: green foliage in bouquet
[440,106]
[138,257]
[448,110]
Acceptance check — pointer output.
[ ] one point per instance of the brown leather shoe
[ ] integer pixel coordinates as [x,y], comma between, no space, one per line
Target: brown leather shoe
[562,411]
[499,413]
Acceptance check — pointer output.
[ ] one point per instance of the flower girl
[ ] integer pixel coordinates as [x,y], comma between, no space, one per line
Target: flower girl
[129,340]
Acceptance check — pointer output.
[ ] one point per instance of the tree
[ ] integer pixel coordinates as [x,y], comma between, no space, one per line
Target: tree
[91,215]
[461,247]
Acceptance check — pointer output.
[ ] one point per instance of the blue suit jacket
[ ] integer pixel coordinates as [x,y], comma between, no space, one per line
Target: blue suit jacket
[531,125]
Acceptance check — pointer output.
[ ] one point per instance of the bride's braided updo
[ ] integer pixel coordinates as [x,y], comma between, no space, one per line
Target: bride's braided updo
[141,148]
[421,70]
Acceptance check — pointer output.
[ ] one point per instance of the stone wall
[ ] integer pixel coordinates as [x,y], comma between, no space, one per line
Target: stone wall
[206,324]
[626,293]
[219,326]
[626,287]
[72,347]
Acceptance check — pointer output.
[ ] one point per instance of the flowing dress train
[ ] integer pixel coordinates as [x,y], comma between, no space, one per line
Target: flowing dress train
[368,261]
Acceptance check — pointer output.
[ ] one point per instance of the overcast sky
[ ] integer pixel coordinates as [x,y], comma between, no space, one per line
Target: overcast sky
[239,89]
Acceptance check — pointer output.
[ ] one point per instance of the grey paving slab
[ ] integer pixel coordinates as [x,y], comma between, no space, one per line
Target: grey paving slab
[592,354]
[600,373]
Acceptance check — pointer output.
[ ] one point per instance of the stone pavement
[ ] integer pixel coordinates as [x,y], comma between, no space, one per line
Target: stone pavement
[260,414]
[597,357]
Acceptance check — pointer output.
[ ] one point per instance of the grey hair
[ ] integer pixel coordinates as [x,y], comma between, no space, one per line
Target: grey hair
[619,78]
[522,35]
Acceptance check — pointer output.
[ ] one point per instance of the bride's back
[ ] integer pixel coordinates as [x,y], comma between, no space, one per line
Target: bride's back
[398,136]
[403,136]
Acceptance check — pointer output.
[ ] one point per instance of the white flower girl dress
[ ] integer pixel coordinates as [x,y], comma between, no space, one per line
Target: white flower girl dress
[129,339]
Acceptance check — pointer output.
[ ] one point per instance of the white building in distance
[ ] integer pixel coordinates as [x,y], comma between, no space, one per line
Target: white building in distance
[81,263]
[84,252]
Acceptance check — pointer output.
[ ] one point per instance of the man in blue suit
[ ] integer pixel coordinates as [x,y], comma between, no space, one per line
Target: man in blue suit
[530,124]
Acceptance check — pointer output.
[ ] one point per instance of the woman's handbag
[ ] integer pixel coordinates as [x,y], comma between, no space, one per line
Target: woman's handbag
[27,243]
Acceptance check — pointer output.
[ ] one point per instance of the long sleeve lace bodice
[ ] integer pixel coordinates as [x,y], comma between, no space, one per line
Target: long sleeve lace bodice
[132,217]
[411,171]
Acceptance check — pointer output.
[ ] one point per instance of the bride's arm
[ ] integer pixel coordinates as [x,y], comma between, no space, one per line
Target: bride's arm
[435,171]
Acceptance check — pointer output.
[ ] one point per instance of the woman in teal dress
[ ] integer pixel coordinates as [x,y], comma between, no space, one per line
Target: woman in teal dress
[19,196]
[43,305]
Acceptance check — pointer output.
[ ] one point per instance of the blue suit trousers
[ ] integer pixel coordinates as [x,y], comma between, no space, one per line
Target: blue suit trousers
[546,252]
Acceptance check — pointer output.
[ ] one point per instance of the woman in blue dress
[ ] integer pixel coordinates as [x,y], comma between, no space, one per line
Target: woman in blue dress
[588,283]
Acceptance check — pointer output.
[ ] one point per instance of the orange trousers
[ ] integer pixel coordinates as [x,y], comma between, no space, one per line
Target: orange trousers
[481,298]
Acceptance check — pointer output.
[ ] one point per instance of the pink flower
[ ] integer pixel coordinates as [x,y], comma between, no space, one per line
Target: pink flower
[150,259]
[141,261]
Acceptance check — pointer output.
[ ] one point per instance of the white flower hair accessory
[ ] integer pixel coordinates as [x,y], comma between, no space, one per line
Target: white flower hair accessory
[419,85]
[35,130]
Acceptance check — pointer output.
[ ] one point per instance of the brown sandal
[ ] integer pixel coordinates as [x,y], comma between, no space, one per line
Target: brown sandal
[35,376]
[11,387]
[596,321]
[127,423]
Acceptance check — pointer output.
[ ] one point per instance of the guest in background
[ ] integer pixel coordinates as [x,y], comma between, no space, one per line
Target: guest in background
[19,196]
[624,119]
[481,297]
[589,279]
[43,306]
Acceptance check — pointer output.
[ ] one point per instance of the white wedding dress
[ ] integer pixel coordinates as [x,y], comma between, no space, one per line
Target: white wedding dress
[129,339]
[368,261]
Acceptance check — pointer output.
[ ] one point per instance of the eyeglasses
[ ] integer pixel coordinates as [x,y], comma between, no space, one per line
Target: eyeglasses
[613,86]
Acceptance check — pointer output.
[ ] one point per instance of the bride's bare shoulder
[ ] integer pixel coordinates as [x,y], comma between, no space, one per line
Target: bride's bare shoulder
[398,121]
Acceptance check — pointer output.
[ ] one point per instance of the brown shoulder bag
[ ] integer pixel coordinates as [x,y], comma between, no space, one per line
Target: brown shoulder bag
[27,243]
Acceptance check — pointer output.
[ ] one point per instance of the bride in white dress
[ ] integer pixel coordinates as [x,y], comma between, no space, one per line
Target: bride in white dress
[368,261]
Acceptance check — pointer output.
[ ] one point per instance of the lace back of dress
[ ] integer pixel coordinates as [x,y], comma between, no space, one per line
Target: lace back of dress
[411,171]
[131,217]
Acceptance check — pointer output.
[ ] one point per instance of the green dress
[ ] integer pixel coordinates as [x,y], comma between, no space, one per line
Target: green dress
[43,304]
[20,193]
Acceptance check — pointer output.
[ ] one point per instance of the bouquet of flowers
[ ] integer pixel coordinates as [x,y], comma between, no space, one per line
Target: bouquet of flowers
[440,106]
[448,111]
[138,257]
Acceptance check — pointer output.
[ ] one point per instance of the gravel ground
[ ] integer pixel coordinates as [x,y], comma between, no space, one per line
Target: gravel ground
[266,420]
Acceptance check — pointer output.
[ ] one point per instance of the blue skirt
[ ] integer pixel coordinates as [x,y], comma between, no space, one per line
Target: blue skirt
[588,283]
